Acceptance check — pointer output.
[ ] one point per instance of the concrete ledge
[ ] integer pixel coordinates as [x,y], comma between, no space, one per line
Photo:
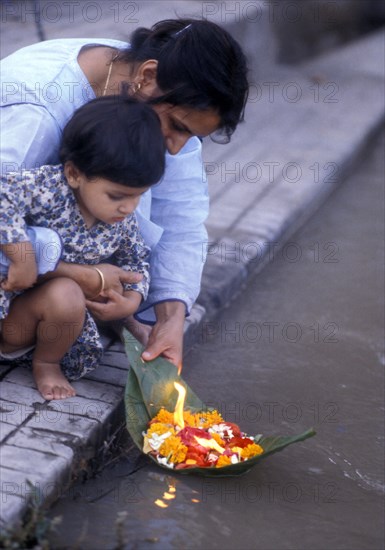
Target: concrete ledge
[44,444]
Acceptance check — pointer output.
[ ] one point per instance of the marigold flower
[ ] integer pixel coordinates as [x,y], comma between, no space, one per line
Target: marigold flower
[210,418]
[223,460]
[174,449]
[251,450]
[159,428]
[190,419]
[164,417]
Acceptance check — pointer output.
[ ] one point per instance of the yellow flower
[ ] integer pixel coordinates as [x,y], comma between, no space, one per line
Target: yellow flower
[190,419]
[223,461]
[251,450]
[174,449]
[159,428]
[218,439]
[208,419]
[164,417]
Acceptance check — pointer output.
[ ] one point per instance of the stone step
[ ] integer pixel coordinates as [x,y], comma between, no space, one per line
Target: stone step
[288,156]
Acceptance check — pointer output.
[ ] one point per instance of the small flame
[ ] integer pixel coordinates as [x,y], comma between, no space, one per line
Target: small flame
[178,412]
[210,444]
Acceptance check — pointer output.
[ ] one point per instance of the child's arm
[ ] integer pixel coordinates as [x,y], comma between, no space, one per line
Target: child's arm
[22,271]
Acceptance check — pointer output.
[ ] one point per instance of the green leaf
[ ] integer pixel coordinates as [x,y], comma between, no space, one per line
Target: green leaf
[150,386]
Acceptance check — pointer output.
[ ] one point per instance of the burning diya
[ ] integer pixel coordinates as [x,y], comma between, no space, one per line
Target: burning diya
[170,424]
[185,440]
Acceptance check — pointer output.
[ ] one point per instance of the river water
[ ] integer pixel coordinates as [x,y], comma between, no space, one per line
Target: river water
[302,346]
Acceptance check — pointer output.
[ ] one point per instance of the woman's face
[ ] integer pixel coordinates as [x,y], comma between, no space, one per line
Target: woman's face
[181,123]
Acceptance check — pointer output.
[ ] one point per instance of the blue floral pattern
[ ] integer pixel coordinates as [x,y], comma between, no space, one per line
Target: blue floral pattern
[42,197]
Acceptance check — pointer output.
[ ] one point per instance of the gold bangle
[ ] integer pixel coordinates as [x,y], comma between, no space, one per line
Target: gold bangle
[102,282]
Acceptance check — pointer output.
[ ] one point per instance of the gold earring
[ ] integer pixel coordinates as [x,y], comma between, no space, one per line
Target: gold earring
[136,87]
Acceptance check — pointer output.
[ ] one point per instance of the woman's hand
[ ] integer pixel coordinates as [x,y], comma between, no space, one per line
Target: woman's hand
[166,337]
[114,277]
[115,305]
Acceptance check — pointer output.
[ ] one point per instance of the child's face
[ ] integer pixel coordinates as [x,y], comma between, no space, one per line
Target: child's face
[102,200]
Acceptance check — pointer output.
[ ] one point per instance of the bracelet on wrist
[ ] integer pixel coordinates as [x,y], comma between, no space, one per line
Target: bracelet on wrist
[102,282]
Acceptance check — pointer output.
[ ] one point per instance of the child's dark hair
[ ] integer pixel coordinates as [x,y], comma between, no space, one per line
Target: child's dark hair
[200,65]
[117,138]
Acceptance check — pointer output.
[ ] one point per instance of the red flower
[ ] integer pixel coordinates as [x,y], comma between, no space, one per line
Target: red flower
[199,460]
[239,442]
[188,434]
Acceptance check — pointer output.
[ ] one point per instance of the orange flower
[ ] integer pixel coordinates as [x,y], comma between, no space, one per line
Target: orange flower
[223,460]
[251,450]
[190,419]
[210,418]
[159,428]
[174,449]
[164,417]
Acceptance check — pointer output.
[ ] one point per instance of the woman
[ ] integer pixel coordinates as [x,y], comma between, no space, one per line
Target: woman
[194,75]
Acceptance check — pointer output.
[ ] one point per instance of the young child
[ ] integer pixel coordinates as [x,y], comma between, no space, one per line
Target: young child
[112,150]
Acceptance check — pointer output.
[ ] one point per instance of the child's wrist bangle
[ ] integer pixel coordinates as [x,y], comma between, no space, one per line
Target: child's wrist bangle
[102,282]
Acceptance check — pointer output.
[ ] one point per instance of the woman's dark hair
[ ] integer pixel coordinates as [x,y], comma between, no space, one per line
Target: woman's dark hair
[117,138]
[200,65]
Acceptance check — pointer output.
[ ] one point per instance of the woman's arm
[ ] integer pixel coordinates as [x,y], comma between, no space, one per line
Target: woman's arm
[180,207]
[30,137]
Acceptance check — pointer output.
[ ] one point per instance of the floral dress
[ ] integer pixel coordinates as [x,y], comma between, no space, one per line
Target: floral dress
[42,197]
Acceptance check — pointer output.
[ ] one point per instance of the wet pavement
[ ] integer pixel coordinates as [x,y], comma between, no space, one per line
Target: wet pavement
[302,346]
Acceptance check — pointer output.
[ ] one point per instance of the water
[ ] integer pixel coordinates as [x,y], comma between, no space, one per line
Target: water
[302,346]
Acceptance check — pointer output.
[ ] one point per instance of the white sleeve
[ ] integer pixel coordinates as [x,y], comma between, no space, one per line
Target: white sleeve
[29,137]
[180,207]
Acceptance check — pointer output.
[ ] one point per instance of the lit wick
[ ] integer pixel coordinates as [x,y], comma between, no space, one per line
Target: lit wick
[178,412]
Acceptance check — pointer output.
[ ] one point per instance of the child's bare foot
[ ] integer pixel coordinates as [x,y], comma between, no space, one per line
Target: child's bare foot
[50,381]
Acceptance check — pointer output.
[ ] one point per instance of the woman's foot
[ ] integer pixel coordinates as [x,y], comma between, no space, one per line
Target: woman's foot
[51,382]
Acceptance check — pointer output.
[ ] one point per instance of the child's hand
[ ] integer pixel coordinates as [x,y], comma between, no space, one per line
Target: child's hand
[116,306]
[21,275]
